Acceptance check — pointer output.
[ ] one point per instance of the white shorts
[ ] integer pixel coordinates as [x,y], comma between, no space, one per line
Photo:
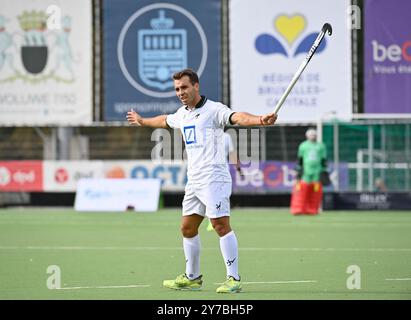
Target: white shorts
[211,200]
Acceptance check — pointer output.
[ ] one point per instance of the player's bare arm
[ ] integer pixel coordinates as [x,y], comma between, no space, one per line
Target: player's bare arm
[247,119]
[134,118]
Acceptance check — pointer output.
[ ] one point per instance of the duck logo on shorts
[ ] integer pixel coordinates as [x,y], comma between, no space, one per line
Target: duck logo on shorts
[218,206]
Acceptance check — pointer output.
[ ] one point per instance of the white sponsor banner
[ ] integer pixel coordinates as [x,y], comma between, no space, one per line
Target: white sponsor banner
[173,174]
[45,62]
[117,195]
[268,42]
[63,176]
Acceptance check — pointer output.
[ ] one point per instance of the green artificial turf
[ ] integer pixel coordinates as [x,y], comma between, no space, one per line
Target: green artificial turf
[128,255]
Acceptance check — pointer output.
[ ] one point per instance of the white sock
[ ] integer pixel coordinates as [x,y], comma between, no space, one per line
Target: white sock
[229,250]
[192,254]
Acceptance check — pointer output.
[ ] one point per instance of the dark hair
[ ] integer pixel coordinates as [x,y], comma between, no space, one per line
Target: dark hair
[190,73]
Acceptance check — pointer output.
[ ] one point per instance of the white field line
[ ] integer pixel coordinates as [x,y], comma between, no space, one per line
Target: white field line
[87,248]
[206,248]
[288,281]
[277,282]
[216,283]
[148,285]
[106,287]
[326,249]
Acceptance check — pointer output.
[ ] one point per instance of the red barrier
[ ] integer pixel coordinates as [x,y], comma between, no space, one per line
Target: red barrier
[306,198]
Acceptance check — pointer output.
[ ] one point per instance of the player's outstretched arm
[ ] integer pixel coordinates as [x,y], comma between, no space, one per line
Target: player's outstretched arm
[134,118]
[247,119]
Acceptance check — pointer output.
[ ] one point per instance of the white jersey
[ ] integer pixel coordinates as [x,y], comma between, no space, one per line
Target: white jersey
[203,134]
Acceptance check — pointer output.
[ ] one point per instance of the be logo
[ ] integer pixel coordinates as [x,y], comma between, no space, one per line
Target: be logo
[166,38]
[393,52]
[190,134]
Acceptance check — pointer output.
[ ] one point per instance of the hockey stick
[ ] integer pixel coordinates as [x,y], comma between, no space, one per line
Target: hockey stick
[326,27]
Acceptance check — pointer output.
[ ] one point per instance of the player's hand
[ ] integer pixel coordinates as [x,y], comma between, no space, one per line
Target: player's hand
[268,119]
[134,118]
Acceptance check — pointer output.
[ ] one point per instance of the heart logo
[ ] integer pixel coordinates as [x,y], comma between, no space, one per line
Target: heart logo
[290,27]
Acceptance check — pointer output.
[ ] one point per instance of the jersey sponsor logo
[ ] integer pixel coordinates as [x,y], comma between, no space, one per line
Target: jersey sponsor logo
[190,134]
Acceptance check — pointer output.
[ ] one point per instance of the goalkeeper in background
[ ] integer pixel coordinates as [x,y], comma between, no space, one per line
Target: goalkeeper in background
[312,174]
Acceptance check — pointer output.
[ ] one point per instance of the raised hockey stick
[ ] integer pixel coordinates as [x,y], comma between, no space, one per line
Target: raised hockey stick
[326,27]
